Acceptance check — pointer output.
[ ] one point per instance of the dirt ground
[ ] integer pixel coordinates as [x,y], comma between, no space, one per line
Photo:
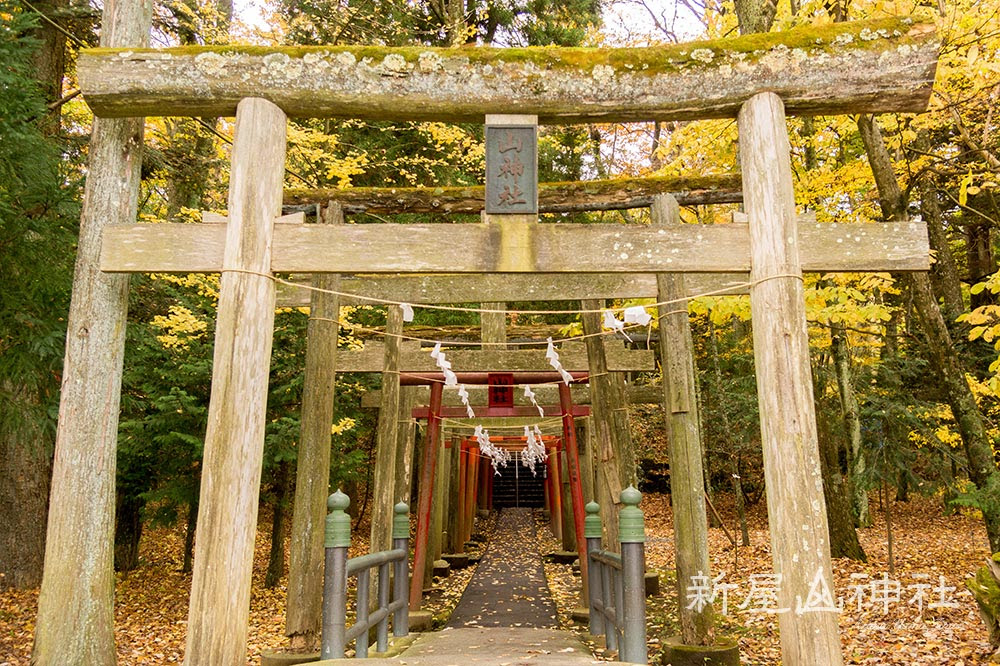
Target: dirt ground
[875,629]
[151,602]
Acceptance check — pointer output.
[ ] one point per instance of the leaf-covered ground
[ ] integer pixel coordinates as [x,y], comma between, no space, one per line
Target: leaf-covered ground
[926,544]
[151,604]
[151,607]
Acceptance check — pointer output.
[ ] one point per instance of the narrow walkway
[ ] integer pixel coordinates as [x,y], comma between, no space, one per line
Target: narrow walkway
[508,588]
[506,617]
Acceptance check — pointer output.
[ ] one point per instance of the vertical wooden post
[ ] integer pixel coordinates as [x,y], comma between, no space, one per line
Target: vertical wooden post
[614,453]
[575,481]
[586,458]
[384,483]
[471,486]
[493,326]
[680,403]
[234,441]
[490,477]
[438,508]
[463,481]
[557,503]
[426,489]
[568,526]
[795,506]
[405,442]
[454,493]
[76,606]
[304,600]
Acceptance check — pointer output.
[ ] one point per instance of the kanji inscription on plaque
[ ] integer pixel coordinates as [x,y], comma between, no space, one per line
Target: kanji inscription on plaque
[511,169]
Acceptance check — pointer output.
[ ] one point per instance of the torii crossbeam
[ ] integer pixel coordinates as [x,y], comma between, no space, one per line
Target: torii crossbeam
[872,66]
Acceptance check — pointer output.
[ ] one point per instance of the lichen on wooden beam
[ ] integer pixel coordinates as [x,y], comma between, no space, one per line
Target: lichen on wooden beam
[591,195]
[861,66]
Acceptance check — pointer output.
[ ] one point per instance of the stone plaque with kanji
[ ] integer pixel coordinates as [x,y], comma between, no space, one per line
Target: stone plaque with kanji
[511,169]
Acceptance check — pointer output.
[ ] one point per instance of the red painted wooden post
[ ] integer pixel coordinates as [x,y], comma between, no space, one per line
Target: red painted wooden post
[489,487]
[576,488]
[556,492]
[470,491]
[426,493]
[463,480]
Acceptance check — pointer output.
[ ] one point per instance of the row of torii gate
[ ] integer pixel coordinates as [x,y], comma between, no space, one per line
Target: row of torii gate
[861,67]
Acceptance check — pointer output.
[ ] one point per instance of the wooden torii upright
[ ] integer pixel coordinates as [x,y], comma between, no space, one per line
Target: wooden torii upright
[872,66]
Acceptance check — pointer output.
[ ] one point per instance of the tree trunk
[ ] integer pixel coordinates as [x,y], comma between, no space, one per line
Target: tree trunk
[852,420]
[128,531]
[50,60]
[189,533]
[944,274]
[276,558]
[76,605]
[732,455]
[25,467]
[843,536]
[944,358]
[980,260]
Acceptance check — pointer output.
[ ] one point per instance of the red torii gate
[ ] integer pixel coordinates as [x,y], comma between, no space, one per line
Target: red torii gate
[434,413]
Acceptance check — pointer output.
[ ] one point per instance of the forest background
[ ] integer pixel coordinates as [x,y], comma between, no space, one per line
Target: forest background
[905,367]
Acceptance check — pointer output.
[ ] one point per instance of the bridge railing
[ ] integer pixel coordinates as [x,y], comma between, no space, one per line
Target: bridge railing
[617,595]
[336,633]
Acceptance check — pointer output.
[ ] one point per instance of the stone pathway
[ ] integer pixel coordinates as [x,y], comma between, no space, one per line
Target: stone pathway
[506,617]
[508,588]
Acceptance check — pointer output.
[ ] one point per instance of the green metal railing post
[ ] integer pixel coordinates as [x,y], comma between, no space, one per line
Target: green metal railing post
[401,541]
[632,536]
[337,540]
[592,532]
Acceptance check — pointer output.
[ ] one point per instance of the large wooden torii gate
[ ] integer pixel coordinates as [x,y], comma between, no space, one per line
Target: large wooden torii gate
[872,66]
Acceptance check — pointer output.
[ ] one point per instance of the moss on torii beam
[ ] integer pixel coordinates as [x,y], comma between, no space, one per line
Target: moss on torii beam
[591,195]
[861,66]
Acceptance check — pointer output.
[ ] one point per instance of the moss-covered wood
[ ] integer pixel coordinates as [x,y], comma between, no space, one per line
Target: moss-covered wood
[617,194]
[985,588]
[515,248]
[875,65]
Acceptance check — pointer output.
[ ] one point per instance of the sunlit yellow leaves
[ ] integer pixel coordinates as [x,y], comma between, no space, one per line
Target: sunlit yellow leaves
[342,426]
[179,327]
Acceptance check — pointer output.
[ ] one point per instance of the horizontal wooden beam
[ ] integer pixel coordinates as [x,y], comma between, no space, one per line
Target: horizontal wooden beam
[862,66]
[518,412]
[573,358]
[495,287]
[513,248]
[635,395]
[590,195]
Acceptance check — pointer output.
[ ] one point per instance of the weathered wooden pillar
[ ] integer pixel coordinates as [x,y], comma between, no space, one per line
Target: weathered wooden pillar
[438,509]
[234,441]
[572,450]
[425,489]
[680,403]
[471,486]
[76,606]
[614,453]
[455,544]
[557,503]
[463,482]
[568,527]
[304,600]
[586,457]
[384,480]
[406,442]
[493,326]
[796,511]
